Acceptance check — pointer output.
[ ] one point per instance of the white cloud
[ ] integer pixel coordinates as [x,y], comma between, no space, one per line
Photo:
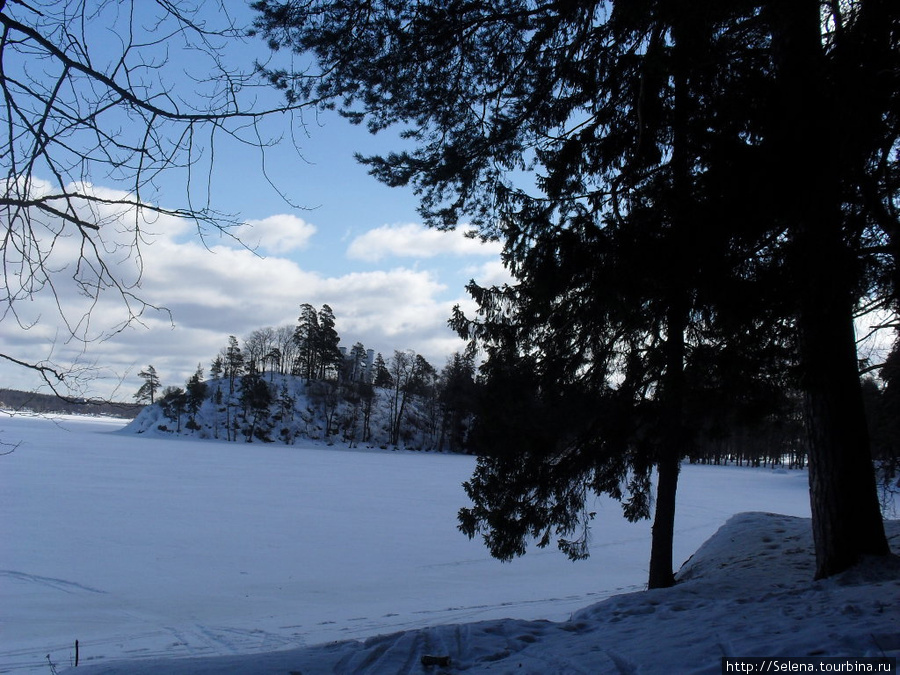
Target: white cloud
[491,273]
[416,241]
[276,234]
[217,291]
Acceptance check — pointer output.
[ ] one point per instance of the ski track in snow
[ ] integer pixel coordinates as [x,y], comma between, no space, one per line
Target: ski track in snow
[57,584]
[747,591]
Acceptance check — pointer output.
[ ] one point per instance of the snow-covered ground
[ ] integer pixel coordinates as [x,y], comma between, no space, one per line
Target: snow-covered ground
[259,558]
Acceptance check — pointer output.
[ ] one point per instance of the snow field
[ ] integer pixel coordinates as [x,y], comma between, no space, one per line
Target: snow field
[146,547]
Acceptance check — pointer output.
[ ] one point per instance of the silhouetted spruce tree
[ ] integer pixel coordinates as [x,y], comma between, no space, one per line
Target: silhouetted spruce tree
[610,105]
[629,174]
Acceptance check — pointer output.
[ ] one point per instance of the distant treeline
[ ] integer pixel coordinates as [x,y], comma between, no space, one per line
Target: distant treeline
[12,399]
[436,409]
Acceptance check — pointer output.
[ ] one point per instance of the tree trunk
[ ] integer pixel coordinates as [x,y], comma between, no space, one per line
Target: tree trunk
[846,516]
[681,240]
[672,448]
[663,539]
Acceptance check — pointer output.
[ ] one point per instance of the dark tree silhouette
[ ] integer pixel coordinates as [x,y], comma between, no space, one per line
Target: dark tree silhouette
[647,200]
[147,391]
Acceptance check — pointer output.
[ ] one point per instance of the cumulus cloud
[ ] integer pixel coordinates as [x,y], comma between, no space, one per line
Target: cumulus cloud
[416,241]
[211,292]
[278,234]
[491,273]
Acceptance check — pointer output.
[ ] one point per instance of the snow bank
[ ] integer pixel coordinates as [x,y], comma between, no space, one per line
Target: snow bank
[746,592]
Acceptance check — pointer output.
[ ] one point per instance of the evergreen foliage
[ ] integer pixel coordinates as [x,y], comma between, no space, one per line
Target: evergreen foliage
[638,161]
[147,391]
[195,394]
[232,362]
[350,397]
[174,403]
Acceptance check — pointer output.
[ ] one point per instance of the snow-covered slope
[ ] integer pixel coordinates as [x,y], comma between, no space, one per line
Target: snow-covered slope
[746,592]
[299,411]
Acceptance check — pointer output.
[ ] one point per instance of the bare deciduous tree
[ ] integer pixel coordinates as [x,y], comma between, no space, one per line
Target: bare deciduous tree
[131,95]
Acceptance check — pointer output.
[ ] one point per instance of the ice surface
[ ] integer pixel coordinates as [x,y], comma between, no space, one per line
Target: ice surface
[259,558]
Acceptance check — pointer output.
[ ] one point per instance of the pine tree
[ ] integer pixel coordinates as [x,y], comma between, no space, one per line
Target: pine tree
[307,338]
[255,398]
[457,394]
[286,402]
[233,362]
[381,377]
[195,394]
[147,391]
[329,354]
[217,367]
[174,404]
[824,86]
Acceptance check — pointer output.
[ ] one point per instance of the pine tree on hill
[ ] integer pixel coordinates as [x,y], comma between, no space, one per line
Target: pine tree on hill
[233,363]
[306,337]
[195,394]
[329,354]
[381,378]
[147,391]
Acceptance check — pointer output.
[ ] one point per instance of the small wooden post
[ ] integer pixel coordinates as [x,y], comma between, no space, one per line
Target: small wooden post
[76,653]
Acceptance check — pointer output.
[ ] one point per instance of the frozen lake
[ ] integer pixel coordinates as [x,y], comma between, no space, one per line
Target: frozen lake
[142,547]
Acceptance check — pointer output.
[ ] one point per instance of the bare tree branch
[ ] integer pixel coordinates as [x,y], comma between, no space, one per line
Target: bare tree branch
[97,92]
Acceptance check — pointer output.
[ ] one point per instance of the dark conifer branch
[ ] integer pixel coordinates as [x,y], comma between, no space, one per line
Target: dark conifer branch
[638,162]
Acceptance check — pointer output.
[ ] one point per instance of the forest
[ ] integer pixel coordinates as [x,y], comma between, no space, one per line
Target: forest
[281,384]
[278,384]
[13,399]
[698,204]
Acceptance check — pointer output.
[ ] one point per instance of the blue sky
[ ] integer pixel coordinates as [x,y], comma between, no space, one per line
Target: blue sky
[340,238]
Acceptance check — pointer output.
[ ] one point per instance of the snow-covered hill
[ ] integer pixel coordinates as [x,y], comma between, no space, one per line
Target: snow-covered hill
[299,411]
[746,592]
